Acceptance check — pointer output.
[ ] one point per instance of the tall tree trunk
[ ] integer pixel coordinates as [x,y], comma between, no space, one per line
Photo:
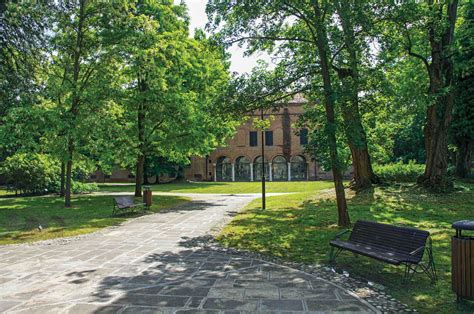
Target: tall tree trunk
[74,111]
[363,174]
[362,166]
[63,178]
[145,172]
[141,142]
[439,113]
[321,42]
[67,198]
[464,158]
[139,176]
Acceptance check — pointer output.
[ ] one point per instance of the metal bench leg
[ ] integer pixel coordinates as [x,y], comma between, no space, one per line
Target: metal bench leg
[410,271]
[430,269]
[333,255]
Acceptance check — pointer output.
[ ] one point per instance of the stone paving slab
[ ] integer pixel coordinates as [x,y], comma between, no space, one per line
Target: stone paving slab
[150,265]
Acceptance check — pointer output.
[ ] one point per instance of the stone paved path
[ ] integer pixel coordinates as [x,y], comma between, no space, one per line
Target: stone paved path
[149,265]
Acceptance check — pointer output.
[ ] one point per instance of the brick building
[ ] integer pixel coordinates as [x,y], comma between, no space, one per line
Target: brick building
[241,158]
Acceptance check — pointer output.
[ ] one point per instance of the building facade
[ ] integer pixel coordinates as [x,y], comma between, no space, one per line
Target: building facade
[284,157]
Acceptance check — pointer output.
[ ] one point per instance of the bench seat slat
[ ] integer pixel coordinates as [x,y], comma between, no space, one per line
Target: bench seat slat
[403,240]
[385,242]
[130,206]
[388,243]
[126,202]
[390,257]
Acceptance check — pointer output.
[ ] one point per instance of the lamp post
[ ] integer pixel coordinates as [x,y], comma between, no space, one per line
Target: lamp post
[263,162]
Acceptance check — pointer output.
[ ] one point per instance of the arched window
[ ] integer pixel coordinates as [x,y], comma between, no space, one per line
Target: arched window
[279,169]
[257,169]
[242,169]
[298,168]
[223,169]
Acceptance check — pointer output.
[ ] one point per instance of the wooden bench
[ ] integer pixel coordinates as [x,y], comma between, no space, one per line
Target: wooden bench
[391,244]
[123,203]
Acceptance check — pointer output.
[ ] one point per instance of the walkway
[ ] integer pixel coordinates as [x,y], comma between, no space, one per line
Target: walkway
[152,264]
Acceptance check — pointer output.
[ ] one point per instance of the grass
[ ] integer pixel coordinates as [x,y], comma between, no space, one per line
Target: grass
[299,227]
[226,187]
[20,216]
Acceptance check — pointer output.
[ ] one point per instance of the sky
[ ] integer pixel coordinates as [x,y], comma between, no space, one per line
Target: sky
[239,63]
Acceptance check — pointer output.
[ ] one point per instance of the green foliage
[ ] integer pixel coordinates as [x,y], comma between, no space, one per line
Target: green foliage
[31,173]
[34,173]
[83,187]
[313,118]
[23,27]
[399,172]
[169,84]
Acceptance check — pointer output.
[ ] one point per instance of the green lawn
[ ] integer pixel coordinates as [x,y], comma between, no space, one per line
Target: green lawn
[299,226]
[226,187]
[20,216]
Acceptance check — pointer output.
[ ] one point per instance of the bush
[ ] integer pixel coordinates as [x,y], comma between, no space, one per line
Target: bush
[38,174]
[81,187]
[399,171]
[31,173]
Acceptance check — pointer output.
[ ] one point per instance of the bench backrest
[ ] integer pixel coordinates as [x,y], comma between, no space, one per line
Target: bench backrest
[123,201]
[402,240]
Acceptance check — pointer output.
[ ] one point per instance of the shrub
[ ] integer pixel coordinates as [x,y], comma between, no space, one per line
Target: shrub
[38,174]
[31,173]
[399,171]
[81,187]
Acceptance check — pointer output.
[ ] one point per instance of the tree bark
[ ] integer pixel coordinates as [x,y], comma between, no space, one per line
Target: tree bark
[67,198]
[139,176]
[439,113]
[363,176]
[350,78]
[321,42]
[141,142]
[145,172]
[74,111]
[141,154]
[63,179]
[464,158]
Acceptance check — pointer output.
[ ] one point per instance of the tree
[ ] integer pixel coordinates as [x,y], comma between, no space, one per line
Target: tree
[171,84]
[22,39]
[462,128]
[426,31]
[295,49]
[352,15]
[80,74]
[301,31]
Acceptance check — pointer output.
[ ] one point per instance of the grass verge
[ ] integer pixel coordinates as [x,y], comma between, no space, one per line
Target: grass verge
[299,227]
[21,216]
[226,187]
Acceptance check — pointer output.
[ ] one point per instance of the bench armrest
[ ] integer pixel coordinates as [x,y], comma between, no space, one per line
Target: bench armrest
[421,248]
[337,236]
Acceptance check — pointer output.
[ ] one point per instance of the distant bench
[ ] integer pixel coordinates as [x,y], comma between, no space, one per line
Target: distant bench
[124,203]
[391,244]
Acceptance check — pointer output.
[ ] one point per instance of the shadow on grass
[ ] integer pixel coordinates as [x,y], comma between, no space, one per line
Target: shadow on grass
[25,219]
[300,230]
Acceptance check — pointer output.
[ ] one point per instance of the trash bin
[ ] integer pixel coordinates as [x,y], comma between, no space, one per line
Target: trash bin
[147,195]
[462,260]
